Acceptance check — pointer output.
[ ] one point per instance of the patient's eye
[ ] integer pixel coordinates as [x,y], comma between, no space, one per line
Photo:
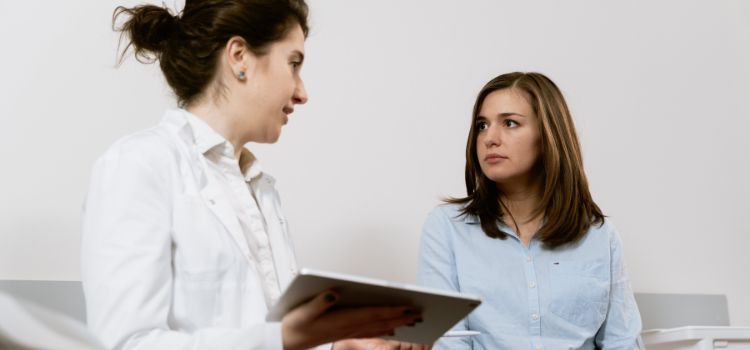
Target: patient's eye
[510,123]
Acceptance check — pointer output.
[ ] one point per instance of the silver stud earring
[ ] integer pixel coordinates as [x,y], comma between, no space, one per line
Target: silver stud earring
[241,76]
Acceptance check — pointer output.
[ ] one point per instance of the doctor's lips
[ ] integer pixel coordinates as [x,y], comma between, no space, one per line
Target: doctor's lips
[288,110]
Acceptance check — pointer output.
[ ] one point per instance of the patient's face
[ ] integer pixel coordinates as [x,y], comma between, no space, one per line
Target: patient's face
[508,140]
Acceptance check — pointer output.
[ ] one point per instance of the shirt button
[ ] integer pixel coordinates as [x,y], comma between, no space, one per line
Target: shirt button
[539,347]
[534,317]
[528,259]
[532,285]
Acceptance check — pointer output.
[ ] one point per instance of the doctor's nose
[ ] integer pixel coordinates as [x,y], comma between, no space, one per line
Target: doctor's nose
[300,94]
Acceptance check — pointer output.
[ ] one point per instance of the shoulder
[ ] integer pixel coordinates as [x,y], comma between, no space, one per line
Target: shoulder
[606,233]
[449,213]
[447,219]
[153,147]
[608,229]
[150,143]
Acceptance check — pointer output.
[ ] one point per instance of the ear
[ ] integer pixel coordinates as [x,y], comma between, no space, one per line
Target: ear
[238,57]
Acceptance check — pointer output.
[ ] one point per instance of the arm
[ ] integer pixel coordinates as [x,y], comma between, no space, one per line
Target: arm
[437,268]
[127,261]
[622,327]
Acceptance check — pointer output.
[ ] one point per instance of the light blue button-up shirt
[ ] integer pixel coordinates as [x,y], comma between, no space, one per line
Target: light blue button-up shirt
[574,297]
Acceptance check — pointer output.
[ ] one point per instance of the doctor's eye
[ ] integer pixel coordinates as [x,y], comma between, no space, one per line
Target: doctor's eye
[510,123]
[482,125]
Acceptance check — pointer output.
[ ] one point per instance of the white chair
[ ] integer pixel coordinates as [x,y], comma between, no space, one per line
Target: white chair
[660,311]
[689,322]
[65,297]
[43,315]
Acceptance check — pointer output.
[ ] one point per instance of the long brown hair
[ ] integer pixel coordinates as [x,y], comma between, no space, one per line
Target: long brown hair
[187,45]
[566,202]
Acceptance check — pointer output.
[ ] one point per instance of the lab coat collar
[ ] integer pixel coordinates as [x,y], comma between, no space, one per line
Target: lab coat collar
[205,139]
[178,122]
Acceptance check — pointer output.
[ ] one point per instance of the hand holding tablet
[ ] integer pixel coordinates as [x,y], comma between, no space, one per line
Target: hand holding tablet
[440,309]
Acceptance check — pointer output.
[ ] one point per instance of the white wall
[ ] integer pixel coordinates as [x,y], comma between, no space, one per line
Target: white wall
[659,91]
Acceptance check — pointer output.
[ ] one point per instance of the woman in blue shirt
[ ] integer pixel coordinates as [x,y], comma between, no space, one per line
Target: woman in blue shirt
[528,238]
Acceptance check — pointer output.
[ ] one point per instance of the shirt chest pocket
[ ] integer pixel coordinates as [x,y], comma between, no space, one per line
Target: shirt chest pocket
[580,292]
[203,251]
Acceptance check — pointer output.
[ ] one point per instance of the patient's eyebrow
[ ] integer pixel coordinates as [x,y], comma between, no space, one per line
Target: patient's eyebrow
[510,114]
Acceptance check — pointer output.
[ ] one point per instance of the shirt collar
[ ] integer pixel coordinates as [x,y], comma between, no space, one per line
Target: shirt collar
[207,140]
[470,219]
[249,165]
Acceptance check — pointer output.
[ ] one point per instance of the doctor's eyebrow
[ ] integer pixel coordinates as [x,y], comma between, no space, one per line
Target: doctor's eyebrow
[297,54]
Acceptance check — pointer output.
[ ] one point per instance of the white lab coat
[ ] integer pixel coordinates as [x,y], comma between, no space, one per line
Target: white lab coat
[165,262]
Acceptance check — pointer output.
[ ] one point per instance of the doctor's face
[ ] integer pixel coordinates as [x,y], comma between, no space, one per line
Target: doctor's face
[508,140]
[275,85]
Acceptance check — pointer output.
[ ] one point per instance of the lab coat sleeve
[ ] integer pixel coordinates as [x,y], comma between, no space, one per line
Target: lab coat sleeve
[436,268]
[622,327]
[127,259]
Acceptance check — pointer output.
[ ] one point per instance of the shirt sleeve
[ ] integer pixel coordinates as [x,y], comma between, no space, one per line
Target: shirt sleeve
[127,261]
[622,327]
[436,268]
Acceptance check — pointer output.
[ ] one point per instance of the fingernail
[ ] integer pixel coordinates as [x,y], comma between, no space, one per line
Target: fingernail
[330,298]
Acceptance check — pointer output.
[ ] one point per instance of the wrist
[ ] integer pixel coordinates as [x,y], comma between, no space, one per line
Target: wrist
[288,340]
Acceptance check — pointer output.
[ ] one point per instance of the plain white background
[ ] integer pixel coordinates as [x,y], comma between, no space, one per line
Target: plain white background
[659,92]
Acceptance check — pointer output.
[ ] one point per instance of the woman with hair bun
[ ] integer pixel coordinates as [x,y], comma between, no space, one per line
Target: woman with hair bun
[184,244]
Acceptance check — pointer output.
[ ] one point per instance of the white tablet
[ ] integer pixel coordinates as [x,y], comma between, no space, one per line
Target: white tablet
[440,309]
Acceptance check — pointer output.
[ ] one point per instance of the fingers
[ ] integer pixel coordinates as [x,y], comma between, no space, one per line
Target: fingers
[411,346]
[317,306]
[382,328]
[315,323]
[374,314]
[364,328]
[360,334]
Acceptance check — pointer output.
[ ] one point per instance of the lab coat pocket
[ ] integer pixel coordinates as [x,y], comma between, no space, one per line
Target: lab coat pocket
[202,249]
[581,292]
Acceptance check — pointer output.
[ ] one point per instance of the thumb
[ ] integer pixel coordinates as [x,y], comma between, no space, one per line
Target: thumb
[318,305]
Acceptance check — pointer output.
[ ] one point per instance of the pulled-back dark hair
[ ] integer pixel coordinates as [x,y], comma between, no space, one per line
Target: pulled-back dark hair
[187,45]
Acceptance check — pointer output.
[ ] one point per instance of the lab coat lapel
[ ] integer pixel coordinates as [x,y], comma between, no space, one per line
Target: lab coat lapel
[208,186]
[220,206]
